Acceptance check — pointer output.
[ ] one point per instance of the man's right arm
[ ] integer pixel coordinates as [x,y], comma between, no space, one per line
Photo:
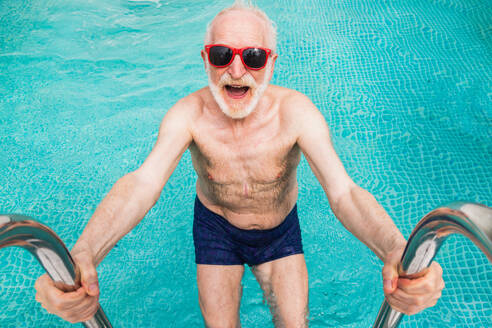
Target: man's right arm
[121,210]
[134,194]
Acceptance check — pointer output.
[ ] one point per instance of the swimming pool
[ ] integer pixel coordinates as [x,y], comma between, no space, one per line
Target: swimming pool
[404,85]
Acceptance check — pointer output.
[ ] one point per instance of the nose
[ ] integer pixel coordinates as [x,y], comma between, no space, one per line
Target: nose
[236,69]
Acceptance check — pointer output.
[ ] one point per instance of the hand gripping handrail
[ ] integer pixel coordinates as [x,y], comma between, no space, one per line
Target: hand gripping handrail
[469,219]
[49,250]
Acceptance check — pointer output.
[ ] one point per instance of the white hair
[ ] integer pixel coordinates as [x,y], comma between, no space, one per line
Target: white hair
[270,27]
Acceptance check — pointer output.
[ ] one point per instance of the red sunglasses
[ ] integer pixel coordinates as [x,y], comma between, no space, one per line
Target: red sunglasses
[220,55]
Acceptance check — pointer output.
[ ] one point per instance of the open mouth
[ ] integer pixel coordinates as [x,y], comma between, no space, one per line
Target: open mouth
[236,91]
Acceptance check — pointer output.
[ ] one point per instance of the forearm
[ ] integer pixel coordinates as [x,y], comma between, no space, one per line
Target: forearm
[362,215]
[119,212]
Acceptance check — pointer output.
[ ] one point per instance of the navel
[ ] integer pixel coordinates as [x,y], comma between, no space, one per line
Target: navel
[245,189]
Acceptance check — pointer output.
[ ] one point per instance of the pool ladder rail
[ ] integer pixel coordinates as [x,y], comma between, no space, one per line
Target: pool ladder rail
[469,219]
[50,251]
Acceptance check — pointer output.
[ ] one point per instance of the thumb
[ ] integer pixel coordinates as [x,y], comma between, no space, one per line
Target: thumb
[390,277]
[390,271]
[88,273]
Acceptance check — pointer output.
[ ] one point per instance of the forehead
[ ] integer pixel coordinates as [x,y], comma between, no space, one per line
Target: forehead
[239,29]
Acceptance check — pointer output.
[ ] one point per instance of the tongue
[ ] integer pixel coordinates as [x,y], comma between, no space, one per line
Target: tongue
[236,92]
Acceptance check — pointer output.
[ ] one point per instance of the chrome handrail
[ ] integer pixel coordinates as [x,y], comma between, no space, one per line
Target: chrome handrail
[469,219]
[50,251]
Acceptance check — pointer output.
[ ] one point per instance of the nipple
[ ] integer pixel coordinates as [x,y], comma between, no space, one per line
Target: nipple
[210,177]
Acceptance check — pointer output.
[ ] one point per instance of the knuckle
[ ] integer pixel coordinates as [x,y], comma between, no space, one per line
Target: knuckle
[438,268]
[393,304]
[57,305]
[40,282]
[412,310]
[86,318]
[428,286]
[397,308]
[386,270]
[72,319]
[82,258]
[94,310]
[89,313]
[91,273]
[419,301]
[88,273]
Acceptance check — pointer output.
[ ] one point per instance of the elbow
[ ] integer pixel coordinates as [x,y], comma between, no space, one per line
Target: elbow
[344,198]
[145,188]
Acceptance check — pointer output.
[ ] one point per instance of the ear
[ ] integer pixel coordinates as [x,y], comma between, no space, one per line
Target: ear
[274,58]
[204,57]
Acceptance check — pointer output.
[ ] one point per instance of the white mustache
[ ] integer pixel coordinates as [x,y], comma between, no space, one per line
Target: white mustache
[245,81]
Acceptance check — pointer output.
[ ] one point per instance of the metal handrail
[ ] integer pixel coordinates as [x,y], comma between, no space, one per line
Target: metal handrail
[50,251]
[469,219]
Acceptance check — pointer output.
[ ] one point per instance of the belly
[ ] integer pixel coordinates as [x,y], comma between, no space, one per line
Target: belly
[250,205]
[246,194]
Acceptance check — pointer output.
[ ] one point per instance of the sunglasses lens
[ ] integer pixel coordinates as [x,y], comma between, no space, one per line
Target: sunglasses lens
[220,56]
[254,57]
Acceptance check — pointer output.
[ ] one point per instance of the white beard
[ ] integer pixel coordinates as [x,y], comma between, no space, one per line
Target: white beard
[238,111]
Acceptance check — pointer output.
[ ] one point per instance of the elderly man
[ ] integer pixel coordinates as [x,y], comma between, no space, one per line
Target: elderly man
[245,137]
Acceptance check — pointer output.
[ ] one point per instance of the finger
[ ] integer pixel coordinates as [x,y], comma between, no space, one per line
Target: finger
[90,312]
[430,282]
[86,304]
[46,288]
[58,301]
[69,311]
[408,299]
[75,297]
[88,272]
[418,301]
[410,305]
[82,312]
[400,306]
[423,285]
[43,282]
[396,304]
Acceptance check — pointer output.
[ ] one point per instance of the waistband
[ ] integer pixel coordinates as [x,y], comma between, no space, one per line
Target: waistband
[203,214]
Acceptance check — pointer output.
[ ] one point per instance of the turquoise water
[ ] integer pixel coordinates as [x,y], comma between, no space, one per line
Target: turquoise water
[404,85]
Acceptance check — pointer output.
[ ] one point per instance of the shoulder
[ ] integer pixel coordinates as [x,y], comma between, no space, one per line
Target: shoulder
[186,109]
[296,107]
[179,119]
[292,101]
[188,106]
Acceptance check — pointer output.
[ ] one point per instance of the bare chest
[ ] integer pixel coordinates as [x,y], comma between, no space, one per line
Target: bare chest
[253,157]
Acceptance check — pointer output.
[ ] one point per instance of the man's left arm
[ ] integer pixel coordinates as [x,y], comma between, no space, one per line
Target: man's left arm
[362,215]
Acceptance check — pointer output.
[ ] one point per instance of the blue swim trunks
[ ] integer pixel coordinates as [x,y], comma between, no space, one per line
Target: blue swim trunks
[219,242]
